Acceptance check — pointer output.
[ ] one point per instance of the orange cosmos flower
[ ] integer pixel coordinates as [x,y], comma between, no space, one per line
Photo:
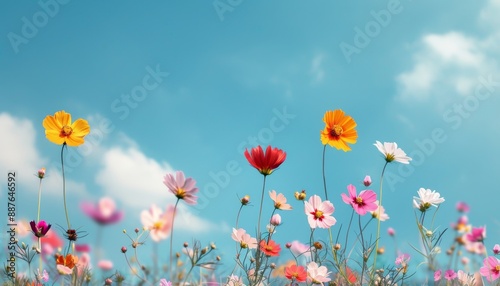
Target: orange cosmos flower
[339,130]
[66,264]
[59,129]
[270,248]
[265,162]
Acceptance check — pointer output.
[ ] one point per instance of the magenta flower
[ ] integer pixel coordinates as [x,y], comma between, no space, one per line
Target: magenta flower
[104,212]
[450,275]
[490,269]
[182,188]
[39,229]
[319,214]
[496,249]
[478,234]
[363,203]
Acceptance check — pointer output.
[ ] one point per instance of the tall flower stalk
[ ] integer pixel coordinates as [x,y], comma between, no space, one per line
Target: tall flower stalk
[391,153]
[184,189]
[60,130]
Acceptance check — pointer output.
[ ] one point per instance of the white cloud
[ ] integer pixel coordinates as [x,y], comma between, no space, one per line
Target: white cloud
[136,180]
[19,154]
[449,65]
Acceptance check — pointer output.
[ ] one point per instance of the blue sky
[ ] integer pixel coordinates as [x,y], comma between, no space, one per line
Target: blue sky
[187,86]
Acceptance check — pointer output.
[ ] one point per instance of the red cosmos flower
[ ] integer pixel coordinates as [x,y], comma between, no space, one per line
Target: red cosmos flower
[265,162]
[296,273]
[270,248]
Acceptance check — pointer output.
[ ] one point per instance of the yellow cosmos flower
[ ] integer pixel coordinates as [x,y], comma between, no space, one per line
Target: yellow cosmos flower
[339,130]
[60,130]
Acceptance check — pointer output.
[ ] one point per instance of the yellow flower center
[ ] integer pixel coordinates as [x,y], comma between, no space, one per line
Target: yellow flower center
[243,244]
[336,130]
[497,268]
[359,200]
[318,214]
[157,225]
[389,157]
[66,131]
[181,193]
[277,205]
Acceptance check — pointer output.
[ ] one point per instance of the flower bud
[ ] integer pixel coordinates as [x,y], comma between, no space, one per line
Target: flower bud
[124,249]
[41,173]
[275,220]
[300,196]
[367,181]
[245,200]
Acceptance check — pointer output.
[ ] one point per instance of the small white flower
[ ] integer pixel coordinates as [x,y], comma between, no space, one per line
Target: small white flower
[392,152]
[426,199]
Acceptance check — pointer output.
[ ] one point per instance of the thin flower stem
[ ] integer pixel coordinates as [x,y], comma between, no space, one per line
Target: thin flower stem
[323,170]
[260,208]
[40,266]
[171,239]
[257,252]
[347,233]
[378,223]
[363,247]
[64,185]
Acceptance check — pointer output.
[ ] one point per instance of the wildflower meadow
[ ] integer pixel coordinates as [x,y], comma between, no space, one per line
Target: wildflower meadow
[338,251]
[249,143]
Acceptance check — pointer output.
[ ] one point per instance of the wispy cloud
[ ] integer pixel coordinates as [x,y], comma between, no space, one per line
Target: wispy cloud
[448,65]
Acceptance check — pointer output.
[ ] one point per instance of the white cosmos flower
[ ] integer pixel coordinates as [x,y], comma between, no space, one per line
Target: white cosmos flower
[426,199]
[392,152]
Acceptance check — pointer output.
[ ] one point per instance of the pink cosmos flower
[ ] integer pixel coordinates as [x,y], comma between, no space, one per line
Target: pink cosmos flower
[450,275]
[317,274]
[158,222]
[279,201]
[105,265]
[363,203]
[319,214]
[104,212]
[465,279]
[42,277]
[496,249]
[490,269]
[298,249]
[379,212]
[391,231]
[437,275]
[462,207]
[477,234]
[246,241]
[182,188]
[402,259]
[164,282]
[82,248]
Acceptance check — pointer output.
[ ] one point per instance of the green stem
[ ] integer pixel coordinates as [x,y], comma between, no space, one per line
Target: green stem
[64,186]
[257,252]
[378,223]
[171,239]
[323,170]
